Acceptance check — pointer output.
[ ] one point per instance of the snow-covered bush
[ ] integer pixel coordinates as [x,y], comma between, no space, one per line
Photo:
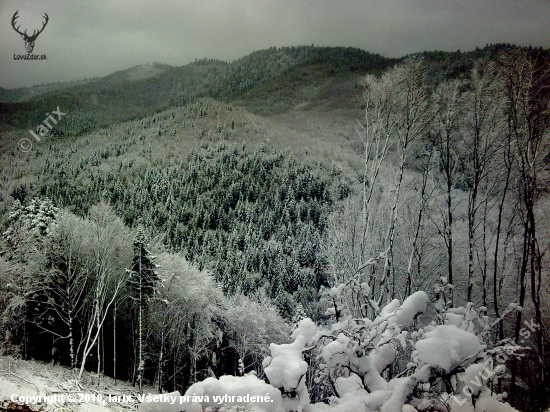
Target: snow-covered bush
[245,391]
[286,368]
[250,336]
[393,360]
[227,394]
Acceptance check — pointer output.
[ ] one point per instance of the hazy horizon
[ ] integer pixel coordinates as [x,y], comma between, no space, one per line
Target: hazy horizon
[86,40]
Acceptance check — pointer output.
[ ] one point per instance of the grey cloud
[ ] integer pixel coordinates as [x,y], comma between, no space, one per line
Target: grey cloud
[95,38]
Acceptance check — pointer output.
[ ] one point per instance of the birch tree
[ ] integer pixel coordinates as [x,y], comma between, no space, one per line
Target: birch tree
[414,115]
[68,276]
[446,141]
[482,131]
[183,322]
[110,254]
[397,115]
[249,335]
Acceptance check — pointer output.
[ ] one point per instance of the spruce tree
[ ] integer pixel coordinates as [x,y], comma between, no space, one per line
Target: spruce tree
[143,282]
[29,225]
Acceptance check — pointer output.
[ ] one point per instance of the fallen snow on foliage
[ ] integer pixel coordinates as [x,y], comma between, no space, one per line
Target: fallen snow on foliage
[447,346]
[347,403]
[90,407]
[402,315]
[246,391]
[488,402]
[350,384]
[286,368]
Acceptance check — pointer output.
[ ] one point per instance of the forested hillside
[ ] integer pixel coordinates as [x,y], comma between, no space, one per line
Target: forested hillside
[114,98]
[388,215]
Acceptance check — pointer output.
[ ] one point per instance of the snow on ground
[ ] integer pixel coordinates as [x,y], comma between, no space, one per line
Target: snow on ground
[19,378]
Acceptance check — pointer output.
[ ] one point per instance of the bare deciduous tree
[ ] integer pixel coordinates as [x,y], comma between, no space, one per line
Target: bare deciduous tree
[528,92]
[447,143]
[110,249]
[66,281]
[482,130]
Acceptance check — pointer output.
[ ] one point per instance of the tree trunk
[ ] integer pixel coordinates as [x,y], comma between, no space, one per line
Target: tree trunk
[114,343]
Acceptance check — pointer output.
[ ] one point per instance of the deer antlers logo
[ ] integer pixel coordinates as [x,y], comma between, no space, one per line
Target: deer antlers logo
[29,40]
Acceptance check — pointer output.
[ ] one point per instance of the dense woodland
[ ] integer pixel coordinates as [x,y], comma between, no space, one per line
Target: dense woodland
[113,98]
[175,237]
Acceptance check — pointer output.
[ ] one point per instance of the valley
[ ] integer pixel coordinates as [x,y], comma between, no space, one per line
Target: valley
[206,227]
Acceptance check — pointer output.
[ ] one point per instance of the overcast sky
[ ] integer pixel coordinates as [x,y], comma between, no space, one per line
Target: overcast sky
[94,38]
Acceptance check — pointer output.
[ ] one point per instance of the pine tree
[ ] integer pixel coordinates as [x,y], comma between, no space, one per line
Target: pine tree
[299,314]
[28,225]
[143,282]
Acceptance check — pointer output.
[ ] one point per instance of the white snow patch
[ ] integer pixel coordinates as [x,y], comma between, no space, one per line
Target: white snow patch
[236,386]
[286,367]
[446,346]
[488,402]
[403,315]
[351,384]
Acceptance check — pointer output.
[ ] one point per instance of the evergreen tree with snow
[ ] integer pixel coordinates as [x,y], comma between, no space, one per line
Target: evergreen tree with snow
[29,225]
[299,314]
[143,282]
